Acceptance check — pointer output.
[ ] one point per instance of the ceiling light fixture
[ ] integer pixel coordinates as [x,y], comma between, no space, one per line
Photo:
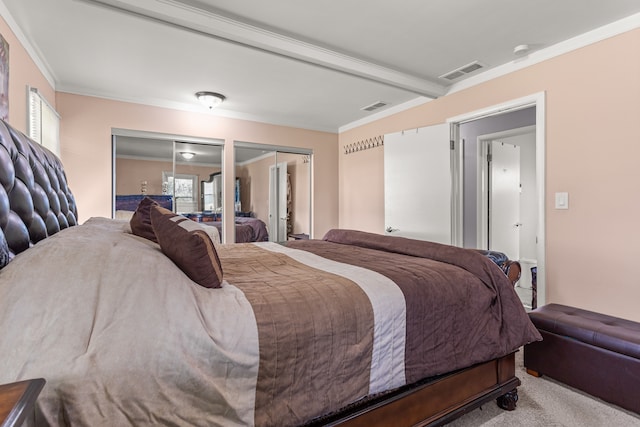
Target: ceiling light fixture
[521,50]
[210,99]
[187,155]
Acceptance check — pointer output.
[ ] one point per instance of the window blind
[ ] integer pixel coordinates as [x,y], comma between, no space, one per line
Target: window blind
[44,122]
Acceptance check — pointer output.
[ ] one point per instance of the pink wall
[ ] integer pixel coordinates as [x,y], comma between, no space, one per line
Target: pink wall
[592,151]
[23,72]
[86,148]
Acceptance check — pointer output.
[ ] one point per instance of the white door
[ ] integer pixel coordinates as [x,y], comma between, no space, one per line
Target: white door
[504,199]
[417,184]
[278,202]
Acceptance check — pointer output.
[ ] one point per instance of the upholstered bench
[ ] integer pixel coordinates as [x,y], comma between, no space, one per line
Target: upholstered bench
[592,352]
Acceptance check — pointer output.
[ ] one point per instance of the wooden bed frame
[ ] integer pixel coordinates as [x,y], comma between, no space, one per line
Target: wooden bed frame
[437,401]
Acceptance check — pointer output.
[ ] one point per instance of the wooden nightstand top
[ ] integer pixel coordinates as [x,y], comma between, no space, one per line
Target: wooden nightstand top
[17,401]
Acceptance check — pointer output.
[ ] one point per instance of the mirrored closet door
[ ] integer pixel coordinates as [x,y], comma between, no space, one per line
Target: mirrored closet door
[169,169]
[275,190]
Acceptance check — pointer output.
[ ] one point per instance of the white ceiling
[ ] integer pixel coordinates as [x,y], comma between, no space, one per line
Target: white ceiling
[311,65]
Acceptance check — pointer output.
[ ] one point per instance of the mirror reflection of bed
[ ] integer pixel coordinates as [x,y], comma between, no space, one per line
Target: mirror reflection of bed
[186,177]
[247,227]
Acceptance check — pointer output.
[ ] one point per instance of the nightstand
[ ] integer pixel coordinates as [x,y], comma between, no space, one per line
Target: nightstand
[17,401]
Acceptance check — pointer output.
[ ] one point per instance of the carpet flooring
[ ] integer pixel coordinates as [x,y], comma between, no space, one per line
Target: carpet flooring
[543,402]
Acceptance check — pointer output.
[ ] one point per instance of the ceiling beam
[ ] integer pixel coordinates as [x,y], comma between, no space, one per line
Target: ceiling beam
[179,14]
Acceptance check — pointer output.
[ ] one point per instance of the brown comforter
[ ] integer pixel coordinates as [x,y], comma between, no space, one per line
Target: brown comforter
[461,308]
[123,337]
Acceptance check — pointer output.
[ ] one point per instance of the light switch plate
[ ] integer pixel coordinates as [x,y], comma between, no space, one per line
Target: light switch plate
[562,200]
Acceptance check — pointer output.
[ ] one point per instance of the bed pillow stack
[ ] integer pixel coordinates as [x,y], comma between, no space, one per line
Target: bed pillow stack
[188,246]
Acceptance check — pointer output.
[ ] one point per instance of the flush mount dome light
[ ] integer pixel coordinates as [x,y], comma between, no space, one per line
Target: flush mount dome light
[521,50]
[187,155]
[210,99]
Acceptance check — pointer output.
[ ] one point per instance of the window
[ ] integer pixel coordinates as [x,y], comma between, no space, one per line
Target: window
[186,190]
[44,122]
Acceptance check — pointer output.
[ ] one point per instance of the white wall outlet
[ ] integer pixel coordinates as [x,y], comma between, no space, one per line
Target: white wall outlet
[562,200]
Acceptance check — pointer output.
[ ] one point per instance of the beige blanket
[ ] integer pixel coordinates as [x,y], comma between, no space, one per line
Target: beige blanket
[122,336]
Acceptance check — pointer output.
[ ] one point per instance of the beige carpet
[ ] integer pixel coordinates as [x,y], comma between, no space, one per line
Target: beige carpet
[544,402]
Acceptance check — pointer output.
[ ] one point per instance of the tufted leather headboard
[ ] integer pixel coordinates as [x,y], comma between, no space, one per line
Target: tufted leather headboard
[35,201]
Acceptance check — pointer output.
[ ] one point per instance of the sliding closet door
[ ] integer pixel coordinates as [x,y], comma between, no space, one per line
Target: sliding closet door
[275,187]
[417,184]
[168,168]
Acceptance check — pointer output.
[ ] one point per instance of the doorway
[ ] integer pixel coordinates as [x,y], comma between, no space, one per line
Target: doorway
[473,192]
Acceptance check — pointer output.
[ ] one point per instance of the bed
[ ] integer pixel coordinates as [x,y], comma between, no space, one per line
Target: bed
[354,329]
[247,228]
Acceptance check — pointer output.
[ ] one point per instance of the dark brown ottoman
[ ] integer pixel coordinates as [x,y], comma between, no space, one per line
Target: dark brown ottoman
[593,352]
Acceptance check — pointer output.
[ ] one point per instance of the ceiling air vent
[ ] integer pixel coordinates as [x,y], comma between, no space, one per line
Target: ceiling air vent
[459,72]
[452,75]
[374,106]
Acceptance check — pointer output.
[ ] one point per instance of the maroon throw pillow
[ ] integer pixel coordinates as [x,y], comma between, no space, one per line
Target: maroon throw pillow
[189,247]
[141,220]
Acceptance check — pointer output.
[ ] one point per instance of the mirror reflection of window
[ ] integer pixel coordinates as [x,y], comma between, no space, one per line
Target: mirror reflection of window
[209,199]
[184,189]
